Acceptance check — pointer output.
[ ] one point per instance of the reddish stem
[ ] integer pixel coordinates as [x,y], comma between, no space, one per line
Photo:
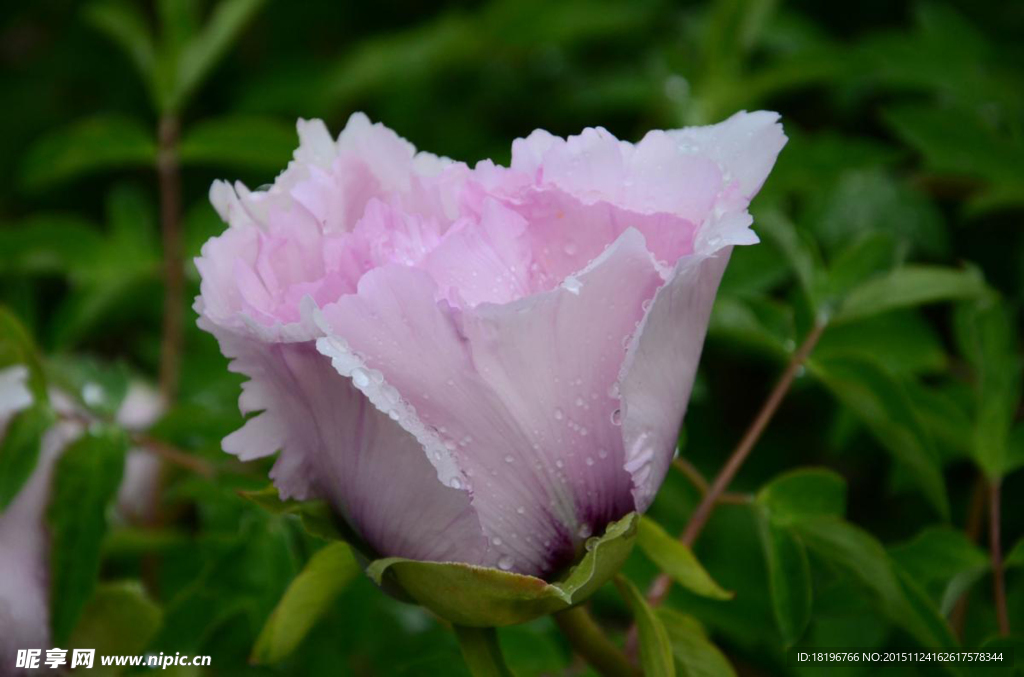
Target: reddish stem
[174,281]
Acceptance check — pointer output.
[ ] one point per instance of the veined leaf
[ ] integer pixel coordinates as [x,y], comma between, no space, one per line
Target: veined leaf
[305,601]
[695,655]
[97,143]
[240,142]
[882,404]
[120,618]
[85,482]
[985,332]
[656,656]
[19,449]
[911,285]
[677,560]
[804,493]
[789,578]
[856,552]
[121,21]
[944,556]
[199,56]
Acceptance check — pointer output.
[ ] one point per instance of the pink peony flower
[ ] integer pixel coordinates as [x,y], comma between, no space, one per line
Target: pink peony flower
[480,365]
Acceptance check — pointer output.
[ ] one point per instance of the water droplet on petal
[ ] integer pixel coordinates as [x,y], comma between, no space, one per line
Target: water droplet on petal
[496,540]
[617,417]
[559,414]
[585,530]
[521,510]
[504,562]
[590,461]
[510,459]
[360,378]
[559,463]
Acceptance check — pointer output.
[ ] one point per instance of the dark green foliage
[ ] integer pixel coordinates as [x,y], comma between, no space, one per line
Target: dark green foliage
[893,220]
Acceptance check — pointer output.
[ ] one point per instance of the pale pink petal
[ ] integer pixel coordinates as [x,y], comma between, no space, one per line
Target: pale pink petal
[336,445]
[520,396]
[659,369]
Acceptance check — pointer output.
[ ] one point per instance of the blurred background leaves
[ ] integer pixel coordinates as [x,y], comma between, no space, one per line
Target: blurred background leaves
[893,219]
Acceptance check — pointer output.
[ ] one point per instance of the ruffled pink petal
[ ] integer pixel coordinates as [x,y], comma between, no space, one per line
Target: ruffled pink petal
[522,399]
[336,445]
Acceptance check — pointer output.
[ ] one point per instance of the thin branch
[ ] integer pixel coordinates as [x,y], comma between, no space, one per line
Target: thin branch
[998,581]
[173,273]
[973,526]
[662,584]
[691,473]
[175,456]
[697,480]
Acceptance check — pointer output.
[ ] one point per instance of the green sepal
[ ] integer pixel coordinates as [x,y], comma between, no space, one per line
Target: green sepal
[477,596]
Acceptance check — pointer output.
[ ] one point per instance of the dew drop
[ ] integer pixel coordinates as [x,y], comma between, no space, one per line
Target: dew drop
[570,249]
[510,459]
[590,461]
[521,510]
[559,463]
[617,417]
[496,540]
[579,401]
[504,562]
[456,483]
[559,414]
[360,378]
[585,530]
[602,453]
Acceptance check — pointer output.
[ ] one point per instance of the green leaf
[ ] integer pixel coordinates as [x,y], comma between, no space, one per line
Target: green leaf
[865,204]
[124,24]
[955,142]
[99,143]
[656,657]
[857,553]
[85,482]
[865,258]
[911,285]
[19,449]
[205,50]
[804,493]
[695,655]
[677,560]
[96,386]
[49,244]
[316,516]
[944,556]
[789,578]
[477,596]
[882,404]
[902,341]
[120,618]
[1015,558]
[481,651]
[798,248]
[239,142]
[985,332]
[305,601]
[17,348]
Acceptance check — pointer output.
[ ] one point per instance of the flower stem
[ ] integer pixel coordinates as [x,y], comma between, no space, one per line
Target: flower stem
[589,641]
[998,581]
[662,584]
[481,652]
[174,283]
